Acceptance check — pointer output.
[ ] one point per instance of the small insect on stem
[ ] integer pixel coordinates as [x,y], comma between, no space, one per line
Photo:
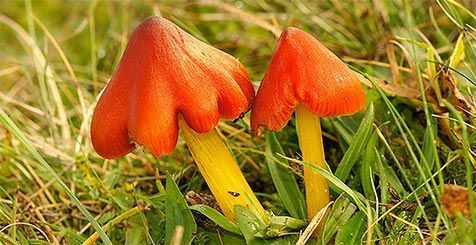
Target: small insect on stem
[235,194]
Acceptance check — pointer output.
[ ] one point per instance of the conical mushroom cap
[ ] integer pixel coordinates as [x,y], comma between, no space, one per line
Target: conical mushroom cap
[165,72]
[302,70]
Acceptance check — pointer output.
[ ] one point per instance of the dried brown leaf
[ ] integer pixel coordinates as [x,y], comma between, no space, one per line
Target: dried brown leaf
[450,91]
[455,200]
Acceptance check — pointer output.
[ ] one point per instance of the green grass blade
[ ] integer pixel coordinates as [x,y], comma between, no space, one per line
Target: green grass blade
[335,183]
[428,146]
[10,125]
[384,195]
[353,230]
[469,161]
[341,211]
[284,180]
[367,167]
[392,179]
[217,217]
[249,224]
[410,142]
[358,143]
[464,232]
[178,213]
[344,132]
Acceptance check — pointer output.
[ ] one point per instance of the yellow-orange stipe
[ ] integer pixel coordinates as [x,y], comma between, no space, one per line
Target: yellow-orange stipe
[312,149]
[220,171]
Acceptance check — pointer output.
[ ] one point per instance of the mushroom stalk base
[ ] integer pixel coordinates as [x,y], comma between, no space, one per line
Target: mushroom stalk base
[221,172]
[312,148]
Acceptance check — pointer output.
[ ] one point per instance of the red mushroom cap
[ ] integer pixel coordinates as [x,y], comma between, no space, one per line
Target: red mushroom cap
[302,70]
[164,72]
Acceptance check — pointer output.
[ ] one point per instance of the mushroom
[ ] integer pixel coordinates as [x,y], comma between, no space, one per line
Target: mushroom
[305,76]
[167,80]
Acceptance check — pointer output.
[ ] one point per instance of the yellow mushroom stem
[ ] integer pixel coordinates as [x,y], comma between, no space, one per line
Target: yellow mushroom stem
[221,171]
[312,149]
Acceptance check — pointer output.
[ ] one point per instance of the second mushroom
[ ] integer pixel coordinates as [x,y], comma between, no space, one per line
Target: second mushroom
[305,76]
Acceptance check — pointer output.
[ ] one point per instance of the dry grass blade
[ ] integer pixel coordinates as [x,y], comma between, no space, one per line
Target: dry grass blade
[27,224]
[44,70]
[66,62]
[177,237]
[95,236]
[390,88]
[12,127]
[243,15]
[312,225]
[8,100]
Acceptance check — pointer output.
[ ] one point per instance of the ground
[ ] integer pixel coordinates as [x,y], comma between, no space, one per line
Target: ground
[411,164]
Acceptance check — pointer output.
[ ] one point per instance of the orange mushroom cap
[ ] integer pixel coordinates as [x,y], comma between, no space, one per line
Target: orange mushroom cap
[302,70]
[165,72]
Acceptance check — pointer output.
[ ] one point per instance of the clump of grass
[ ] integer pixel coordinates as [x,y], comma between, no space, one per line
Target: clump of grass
[417,58]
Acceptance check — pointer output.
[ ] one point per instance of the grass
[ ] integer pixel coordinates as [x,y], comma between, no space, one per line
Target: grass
[391,161]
